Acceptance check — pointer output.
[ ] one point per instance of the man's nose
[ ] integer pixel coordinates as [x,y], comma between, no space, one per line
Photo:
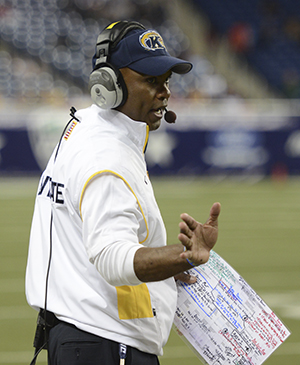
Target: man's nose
[164,92]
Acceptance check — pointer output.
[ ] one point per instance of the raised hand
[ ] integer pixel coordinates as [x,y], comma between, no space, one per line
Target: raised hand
[197,238]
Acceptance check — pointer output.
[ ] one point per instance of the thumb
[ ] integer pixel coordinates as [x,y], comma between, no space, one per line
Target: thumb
[214,214]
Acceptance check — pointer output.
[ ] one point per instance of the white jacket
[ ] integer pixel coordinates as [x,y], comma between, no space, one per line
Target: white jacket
[94,208]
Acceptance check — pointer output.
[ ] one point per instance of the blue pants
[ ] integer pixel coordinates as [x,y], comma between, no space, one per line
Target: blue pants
[70,346]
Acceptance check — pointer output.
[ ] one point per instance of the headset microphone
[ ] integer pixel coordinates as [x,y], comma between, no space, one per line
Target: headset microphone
[170,116]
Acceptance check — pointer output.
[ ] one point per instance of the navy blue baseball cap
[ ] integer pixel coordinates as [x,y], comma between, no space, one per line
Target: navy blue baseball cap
[144,51]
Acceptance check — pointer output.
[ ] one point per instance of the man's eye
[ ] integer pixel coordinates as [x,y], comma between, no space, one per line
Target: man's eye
[151,80]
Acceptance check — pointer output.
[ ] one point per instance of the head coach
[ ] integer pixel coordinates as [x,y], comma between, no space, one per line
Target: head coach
[99,269]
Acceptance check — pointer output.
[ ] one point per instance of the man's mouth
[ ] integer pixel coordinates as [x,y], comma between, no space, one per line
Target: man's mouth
[159,112]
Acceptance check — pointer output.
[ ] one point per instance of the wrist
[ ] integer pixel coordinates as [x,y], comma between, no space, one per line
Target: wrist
[189,261]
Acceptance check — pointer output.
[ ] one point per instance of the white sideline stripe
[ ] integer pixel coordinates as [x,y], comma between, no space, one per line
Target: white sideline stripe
[173,352]
[286,303]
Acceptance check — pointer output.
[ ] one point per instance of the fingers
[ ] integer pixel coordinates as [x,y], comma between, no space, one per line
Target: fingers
[185,240]
[186,278]
[185,229]
[191,223]
[199,239]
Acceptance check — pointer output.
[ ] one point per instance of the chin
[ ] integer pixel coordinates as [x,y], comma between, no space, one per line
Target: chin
[155,125]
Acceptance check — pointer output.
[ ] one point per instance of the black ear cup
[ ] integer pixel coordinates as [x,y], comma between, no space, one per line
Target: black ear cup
[107,87]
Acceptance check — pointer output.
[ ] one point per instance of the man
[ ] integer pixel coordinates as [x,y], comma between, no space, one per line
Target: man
[98,263]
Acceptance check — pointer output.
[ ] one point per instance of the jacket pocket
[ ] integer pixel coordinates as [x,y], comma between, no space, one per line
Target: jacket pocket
[134,302]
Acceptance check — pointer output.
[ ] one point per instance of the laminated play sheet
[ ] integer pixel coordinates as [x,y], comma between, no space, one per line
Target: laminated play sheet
[223,319]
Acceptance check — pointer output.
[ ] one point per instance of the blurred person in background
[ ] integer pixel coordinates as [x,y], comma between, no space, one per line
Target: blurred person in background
[99,270]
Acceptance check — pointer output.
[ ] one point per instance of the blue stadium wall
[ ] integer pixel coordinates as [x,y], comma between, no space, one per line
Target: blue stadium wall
[230,150]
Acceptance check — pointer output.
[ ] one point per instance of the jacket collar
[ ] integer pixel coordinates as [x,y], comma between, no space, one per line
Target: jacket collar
[137,132]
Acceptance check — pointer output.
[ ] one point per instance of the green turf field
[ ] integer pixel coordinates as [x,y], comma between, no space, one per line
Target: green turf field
[259,237]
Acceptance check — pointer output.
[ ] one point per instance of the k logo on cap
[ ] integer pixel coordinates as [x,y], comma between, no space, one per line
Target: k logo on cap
[152,41]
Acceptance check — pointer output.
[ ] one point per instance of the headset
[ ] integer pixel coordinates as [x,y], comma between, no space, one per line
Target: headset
[106,84]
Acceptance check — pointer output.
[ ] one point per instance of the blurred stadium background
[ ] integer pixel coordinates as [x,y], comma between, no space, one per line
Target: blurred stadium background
[236,138]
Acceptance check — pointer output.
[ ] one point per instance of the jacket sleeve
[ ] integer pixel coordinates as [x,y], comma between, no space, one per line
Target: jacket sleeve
[111,222]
